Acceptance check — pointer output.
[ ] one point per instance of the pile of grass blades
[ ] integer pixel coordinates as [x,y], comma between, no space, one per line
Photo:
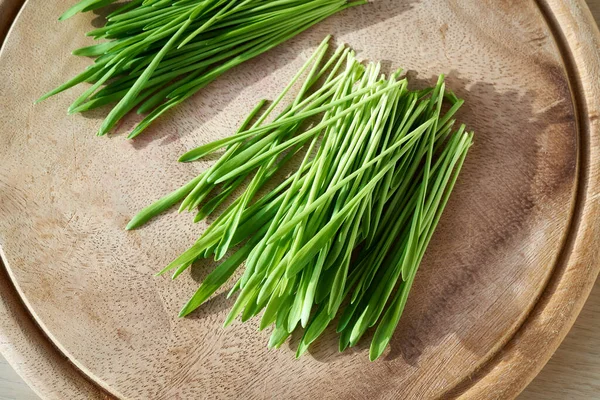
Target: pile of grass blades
[343,235]
[159,53]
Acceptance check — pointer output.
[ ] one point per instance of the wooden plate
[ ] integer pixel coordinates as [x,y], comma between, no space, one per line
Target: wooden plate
[81,315]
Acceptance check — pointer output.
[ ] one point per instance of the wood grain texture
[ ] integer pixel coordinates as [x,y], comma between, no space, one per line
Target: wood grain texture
[12,387]
[8,12]
[594,6]
[514,277]
[573,372]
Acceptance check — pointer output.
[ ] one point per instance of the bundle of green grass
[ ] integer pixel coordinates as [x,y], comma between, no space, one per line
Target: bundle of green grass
[158,53]
[343,235]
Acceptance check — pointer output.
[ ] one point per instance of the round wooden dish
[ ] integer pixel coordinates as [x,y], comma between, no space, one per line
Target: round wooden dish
[81,315]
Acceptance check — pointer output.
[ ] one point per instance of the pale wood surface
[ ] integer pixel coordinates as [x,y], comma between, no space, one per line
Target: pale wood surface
[573,372]
[12,386]
[469,347]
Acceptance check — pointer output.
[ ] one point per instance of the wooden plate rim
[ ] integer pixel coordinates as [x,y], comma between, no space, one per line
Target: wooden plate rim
[508,370]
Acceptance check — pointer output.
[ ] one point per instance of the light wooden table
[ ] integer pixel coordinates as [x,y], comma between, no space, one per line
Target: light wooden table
[573,373]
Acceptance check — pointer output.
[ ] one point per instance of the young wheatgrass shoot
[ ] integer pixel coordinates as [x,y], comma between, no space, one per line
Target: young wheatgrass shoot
[157,54]
[344,233]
